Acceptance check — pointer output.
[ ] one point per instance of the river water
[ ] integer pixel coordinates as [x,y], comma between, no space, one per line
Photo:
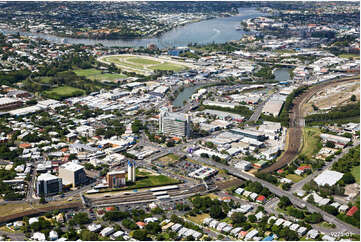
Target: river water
[282,74]
[185,95]
[217,30]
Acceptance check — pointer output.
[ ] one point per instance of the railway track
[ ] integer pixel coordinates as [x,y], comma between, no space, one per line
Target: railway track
[144,196]
[296,124]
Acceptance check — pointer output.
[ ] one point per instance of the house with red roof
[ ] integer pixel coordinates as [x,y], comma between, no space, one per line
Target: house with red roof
[242,234]
[300,170]
[352,211]
[226,199]
[109,209]
[140,224]
[261,199]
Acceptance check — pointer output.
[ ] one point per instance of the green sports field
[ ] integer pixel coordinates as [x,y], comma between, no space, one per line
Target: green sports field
[94,74]
[64,92]
[167,67]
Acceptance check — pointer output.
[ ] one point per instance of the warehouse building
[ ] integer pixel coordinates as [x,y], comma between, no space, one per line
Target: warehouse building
[175,124]
[273,107]
[338,140]
[219,104]
[48,184]
[328,178]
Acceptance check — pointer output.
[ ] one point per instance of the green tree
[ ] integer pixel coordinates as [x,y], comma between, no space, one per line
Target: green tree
[284,202]
[42,199]
[140,234]
[216,212]
[252,218]
[238,218]
[348,178]
[189,238]
[87,235]
[330,144]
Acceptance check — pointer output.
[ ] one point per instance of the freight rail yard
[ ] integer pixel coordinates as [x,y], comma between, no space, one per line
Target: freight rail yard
[297,122]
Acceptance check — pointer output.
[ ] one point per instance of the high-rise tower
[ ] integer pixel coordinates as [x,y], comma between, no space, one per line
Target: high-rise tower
[131,171]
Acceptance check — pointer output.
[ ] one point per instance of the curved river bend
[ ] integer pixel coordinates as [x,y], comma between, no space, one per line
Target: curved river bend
[217,30]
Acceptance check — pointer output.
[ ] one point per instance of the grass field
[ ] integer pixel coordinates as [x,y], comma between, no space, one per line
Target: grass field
[94,74]
[12,208]
[142,61]
[356,173]
[148,181]
[295,178]
[311,142]
[45,79]
[199,218]
[356,56]
[64,92]
[167,67]
[169,159]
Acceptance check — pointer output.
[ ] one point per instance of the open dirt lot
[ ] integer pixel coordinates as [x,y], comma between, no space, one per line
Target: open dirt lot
[334,96]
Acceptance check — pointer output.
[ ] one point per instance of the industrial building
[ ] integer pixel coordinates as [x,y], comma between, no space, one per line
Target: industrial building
[48,184]
[219,104]
[328,178]
[175,124]
[273,107]
[116,179]
[253,134]
[131,171]
[72,174]
[8,103]
[338,140]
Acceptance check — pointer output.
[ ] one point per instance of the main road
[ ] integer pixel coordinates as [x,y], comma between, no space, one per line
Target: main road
[342,226]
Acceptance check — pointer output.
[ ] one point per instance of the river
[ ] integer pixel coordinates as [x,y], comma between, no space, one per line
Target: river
[185,95]
[217,30]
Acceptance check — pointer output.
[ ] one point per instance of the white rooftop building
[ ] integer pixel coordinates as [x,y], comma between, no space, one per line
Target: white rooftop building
[328,178]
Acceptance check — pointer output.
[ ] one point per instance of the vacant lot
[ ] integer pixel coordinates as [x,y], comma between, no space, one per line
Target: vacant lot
[94,74]
[199,218]
[149,181]
[311,142]
[64,92]
[333,97]
[169,159]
